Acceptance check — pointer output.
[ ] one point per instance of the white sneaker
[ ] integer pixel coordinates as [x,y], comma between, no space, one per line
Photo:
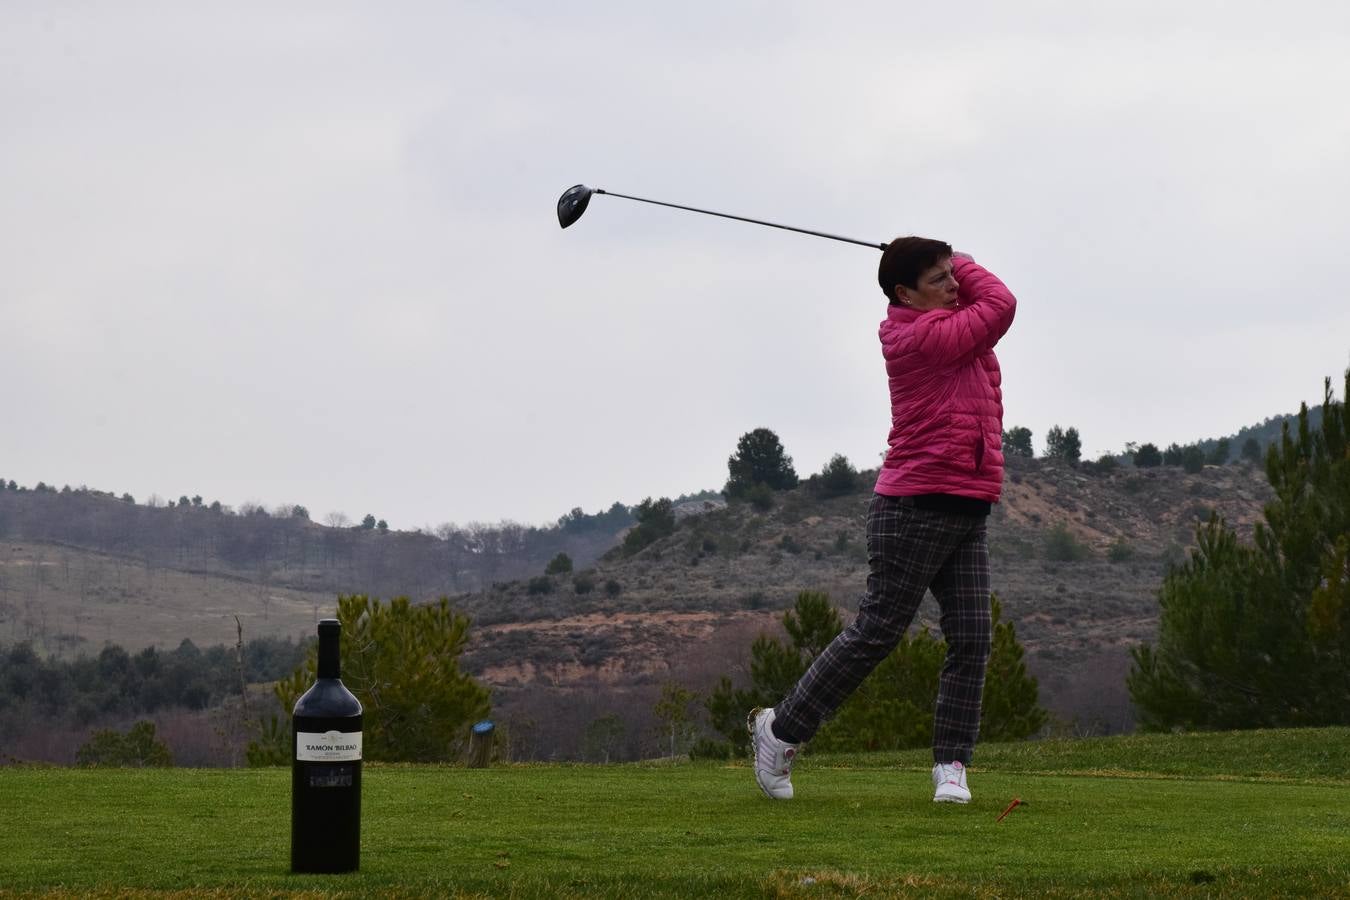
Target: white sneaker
[949,783]
[772,757]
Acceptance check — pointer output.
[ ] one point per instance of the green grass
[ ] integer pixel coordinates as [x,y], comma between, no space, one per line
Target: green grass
[1246,814]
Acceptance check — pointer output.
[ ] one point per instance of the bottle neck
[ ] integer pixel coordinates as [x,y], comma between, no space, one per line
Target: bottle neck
[329,665]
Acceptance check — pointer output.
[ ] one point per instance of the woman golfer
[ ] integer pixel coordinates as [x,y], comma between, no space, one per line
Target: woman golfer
[926,521]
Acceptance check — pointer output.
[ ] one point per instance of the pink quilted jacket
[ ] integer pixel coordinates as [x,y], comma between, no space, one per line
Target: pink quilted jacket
[946,403]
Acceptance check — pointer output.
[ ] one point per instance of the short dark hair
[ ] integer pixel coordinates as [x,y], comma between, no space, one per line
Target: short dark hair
[905,259]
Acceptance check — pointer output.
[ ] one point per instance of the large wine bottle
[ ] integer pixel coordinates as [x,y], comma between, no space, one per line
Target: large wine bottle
[326,768]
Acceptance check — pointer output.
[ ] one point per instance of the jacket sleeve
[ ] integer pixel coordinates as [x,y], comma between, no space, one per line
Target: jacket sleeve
[985,314]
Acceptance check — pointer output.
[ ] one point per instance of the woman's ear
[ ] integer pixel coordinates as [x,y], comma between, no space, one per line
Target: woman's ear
[900,295]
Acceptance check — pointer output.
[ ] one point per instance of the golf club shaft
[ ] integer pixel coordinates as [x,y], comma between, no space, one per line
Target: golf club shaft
[708,212]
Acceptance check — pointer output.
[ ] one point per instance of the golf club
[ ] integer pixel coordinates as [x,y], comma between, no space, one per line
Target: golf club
[575,199]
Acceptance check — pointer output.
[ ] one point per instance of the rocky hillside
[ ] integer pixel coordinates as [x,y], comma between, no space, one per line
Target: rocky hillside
[1078,559]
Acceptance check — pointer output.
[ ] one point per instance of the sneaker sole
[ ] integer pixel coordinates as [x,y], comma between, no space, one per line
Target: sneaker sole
[766,793]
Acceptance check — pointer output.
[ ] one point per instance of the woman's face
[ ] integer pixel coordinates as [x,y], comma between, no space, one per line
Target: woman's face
[936,289]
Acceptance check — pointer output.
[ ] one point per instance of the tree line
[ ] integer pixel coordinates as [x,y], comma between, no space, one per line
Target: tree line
[117,684]
[1066,444]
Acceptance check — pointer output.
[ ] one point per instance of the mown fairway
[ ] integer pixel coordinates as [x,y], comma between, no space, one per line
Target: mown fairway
[1252,814]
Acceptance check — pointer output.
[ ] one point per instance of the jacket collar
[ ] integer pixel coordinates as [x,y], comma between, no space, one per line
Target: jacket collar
[901,314]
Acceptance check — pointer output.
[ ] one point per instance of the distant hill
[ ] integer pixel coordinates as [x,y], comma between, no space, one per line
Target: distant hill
[1078,555]
[287,553]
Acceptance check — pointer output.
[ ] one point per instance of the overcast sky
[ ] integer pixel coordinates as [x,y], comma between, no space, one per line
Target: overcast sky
[308,253]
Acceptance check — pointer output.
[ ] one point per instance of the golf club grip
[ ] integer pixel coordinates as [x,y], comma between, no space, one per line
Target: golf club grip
[708,212]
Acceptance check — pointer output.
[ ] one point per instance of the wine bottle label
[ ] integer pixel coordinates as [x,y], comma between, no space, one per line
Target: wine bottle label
[328,746]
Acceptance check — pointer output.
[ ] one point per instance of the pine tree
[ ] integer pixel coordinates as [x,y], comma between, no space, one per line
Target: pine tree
[1329,621]
[1148,456]
[1010,709]
[759,459]
[402,662]
[812,624]
[837,478]
[727,707]
[656,519]
[774,666]
[1017,442]
[1064,444]
[1259,635]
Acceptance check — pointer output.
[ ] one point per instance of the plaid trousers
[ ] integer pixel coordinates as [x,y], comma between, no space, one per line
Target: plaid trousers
[909,551]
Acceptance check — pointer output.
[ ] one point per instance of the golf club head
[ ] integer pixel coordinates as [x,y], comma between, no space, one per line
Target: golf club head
[572,204]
